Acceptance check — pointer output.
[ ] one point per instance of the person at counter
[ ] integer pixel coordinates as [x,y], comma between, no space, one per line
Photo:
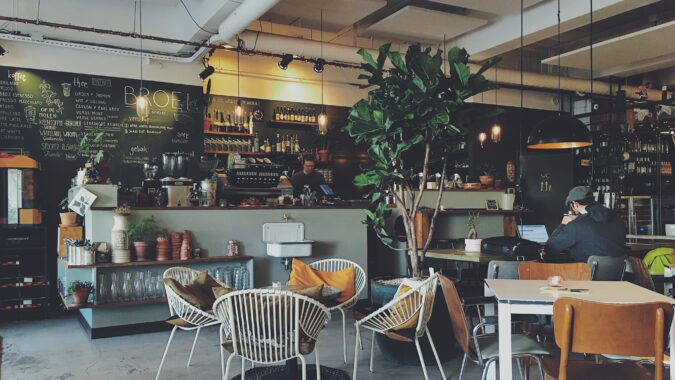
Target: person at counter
[591,230]
[308,176]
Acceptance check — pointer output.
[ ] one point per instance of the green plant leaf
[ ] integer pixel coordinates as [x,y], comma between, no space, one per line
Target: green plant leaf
[463,73]
[370,61]
[488,64]
[397,61]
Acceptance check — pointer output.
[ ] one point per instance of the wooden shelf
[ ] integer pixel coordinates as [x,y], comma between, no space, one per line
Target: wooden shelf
[229,133]
[231,152]
[288,122]
[108,305]
[214,259]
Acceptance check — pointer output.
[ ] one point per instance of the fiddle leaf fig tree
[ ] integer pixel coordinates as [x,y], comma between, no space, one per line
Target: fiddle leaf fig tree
[415,109]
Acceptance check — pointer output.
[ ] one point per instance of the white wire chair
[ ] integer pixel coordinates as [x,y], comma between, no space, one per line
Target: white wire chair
[418,301]
[335,265]
[193,317]
[268,325]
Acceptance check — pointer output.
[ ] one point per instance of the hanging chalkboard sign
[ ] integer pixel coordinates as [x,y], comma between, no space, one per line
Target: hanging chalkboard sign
[48,112]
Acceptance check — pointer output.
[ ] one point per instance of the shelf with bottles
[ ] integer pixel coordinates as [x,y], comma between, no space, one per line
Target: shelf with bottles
[293,116]
[240,124]
[240,134]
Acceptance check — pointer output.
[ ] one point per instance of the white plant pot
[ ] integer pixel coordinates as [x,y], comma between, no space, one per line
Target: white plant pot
[472,245]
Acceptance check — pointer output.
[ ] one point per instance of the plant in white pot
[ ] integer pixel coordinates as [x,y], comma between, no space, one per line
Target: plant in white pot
[414,110]
[472,242]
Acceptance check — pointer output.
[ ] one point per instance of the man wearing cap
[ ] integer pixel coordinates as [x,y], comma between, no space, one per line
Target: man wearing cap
[591,230]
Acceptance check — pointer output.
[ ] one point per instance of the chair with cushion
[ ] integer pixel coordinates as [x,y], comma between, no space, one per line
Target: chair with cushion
[530,270]
[345,302]
[404,318]
[483,349]
[603,328]
[606,268]
[190,296]
[271,326]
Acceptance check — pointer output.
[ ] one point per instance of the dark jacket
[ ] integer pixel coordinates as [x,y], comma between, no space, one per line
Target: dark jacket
[599,232]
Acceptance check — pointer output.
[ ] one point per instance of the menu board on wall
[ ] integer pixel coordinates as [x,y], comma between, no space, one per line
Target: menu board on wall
[48,112]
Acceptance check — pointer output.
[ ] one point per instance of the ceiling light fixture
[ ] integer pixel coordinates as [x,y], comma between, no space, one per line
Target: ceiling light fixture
[238,112]
[482,137]
[562,131]
[2,51]
[496,130]
[319,64]
[142,103]
[207,72]
[322,118]
[286,59]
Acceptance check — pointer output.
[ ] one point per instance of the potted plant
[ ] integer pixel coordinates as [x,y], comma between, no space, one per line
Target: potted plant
[487,177]
[68,217]
[80,290]
[143,234]
[413,119]
[323,152]
[98,169]
[472,242]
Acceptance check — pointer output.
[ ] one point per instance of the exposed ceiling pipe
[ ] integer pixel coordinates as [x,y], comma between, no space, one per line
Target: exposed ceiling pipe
[300,47]
[239,19]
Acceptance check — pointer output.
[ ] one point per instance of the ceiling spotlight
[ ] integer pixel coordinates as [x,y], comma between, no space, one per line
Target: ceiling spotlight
[286,59]
[207,72]
[318,65]
[2,51]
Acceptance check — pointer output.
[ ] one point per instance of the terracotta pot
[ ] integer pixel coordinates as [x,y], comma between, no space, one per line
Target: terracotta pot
[68,218]
[144,250]
[81,296]
[486,180]
[323,155]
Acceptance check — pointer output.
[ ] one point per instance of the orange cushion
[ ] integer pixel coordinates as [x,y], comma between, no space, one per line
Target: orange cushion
[399,311]
[304,275]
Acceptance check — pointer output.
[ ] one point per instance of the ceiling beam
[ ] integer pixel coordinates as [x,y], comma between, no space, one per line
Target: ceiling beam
[540,23]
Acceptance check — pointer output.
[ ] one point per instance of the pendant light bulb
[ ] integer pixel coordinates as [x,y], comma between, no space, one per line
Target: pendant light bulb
[142,107]
[496,133]
[482,137]
[323,123]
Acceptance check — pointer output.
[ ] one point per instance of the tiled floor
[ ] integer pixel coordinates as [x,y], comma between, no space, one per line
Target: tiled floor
[58,349]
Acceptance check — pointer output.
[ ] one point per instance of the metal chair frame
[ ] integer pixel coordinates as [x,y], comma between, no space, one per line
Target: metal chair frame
[335,265]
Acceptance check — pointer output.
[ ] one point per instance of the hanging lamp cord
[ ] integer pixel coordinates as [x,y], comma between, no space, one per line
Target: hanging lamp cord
[520,130]
[238,72]
[321,36]
[140,28]
[591,47]
[560,93]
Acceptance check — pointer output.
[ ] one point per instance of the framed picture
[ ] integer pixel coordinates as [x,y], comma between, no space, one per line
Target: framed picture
[82,201]
[491,204]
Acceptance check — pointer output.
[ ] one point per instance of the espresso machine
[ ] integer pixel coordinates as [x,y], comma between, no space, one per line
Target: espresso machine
[175,182]
[18,189]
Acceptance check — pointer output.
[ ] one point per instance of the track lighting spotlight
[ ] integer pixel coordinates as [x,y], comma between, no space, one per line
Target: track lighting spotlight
[318,65]
[286,59]
[207,72]
[2,51]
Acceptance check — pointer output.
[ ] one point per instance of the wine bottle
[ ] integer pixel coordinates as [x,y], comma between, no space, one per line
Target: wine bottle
[296,146]
[278,144]
[208,123]
[250,122]
[245,123]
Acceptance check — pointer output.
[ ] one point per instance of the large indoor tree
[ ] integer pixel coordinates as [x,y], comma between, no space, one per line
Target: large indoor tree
[412,120]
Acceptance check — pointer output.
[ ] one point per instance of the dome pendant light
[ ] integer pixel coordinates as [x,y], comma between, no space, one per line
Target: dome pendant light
[322,118]
[562,131]
[142,103]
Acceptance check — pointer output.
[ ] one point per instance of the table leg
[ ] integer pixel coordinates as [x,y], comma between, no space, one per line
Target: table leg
[504,316]
[671,348]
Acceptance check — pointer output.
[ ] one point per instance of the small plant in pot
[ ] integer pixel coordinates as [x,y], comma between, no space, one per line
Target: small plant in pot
[98,169]
[323,152]
[487,177]
[80,290]
[68,217]
[472,242]
[143,234]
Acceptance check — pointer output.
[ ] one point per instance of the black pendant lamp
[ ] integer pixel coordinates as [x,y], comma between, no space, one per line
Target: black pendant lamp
[562,131]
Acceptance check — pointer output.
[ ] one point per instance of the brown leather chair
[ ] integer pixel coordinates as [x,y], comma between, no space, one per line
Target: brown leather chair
[530,270]
[641,276]
[603,328]
[483,349]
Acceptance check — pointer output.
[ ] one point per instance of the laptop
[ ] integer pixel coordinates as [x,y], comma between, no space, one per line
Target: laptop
[533,232]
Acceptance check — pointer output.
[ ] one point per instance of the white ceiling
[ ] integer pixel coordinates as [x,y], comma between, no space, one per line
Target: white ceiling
[500,7]
[337,14]
[642,51]
[420,24]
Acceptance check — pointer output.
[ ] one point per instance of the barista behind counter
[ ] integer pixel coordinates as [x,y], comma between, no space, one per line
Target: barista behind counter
[307,177]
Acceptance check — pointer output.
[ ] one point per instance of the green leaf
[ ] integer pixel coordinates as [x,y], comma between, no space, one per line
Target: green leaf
[463,72]
[397,61]
[488,64]
[417,81]
[367,57]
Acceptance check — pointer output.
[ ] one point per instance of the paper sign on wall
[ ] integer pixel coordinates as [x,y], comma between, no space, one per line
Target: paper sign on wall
[82,201]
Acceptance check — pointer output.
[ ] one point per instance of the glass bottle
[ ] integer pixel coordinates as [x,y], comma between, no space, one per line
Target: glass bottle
[127,288]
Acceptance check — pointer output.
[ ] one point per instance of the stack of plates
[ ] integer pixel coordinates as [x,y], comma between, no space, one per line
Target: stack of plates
[121,256]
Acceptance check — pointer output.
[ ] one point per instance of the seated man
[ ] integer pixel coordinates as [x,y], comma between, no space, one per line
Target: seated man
[308,176]
[592,229]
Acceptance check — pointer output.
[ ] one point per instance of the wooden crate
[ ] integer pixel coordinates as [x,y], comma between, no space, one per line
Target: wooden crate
[70,232]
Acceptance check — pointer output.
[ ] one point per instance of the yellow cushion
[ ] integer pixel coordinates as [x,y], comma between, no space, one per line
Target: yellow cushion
[398,312]
[219,291]
[304,275]
[198,293]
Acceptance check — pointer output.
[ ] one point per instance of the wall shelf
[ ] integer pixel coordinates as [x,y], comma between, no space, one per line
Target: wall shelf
[214,259]
[241,134]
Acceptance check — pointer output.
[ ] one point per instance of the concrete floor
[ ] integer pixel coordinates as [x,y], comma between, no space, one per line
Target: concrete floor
[58,349]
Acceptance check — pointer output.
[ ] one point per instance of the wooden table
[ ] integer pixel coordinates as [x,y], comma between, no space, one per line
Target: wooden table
[525,297]
[456,254]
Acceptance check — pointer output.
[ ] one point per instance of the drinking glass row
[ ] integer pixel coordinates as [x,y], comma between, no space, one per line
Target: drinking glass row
[235,278]
[130,286]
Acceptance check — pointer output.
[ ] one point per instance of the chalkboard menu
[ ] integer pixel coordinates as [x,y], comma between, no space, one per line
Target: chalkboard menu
[48,112]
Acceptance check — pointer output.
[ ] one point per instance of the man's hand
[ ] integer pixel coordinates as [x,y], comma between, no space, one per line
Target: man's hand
[568,218]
